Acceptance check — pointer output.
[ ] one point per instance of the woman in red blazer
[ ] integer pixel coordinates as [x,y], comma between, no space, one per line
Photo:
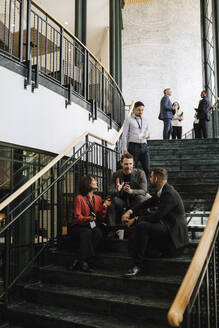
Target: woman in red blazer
[89,209]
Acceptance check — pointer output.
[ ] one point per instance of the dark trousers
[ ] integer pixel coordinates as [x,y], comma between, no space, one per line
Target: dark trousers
[141,235]
[196,130]
[140,152]
[119,206]
[202,128]
[167,128]
[177,132]
[88,239]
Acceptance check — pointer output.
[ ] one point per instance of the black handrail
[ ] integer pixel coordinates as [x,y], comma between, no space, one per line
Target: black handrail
[48,49]
[34,220]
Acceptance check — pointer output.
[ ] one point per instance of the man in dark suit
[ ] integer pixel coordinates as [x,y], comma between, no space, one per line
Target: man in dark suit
[166,113]
[166,226]
[203,114]
[128,187]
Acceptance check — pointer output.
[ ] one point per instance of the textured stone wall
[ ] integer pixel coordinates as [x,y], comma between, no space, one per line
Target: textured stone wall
[162,48]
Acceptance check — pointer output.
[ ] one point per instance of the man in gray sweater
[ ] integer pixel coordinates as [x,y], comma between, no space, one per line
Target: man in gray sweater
[128,188]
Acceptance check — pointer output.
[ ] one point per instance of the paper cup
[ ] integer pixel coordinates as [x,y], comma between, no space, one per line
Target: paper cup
[120,234]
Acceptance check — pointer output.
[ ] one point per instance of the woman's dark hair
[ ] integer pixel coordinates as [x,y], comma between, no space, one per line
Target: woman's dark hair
[84,186]
[176,102]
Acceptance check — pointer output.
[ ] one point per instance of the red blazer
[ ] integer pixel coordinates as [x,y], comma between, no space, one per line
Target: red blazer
[82,210]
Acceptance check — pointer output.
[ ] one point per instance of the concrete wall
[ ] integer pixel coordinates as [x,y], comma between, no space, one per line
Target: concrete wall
[40,119]
[162,48]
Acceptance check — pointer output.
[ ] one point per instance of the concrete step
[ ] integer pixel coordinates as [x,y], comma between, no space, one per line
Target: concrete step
[115,262]
[136,307]
[4,324]
[193,174]
[184,143]
[184,154]
[150,286]
[199,188]
[193,181]
[44,316]
[197,204]
[192,164]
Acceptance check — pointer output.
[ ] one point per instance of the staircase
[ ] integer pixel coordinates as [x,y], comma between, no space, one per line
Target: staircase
[193,168]
[64,298]
[58,297]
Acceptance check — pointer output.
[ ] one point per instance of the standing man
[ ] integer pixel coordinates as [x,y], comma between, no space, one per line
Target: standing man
[166,227]
[166,113]
[203,114]
[134,138]
[128,187]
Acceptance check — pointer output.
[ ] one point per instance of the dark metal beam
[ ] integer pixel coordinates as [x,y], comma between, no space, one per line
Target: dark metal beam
[112,37]
[81,20]
[216,56]
[216,37]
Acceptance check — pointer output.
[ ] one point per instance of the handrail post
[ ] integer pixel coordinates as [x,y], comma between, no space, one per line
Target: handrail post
[87,145]
[85,75]
[52,221]
[61,55]
[87,78]
[7,256]
[103,87]
[21,30]
[59,206]
[28,80]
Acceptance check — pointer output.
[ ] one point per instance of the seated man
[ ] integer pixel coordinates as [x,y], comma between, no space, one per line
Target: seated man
[128,188]
[167,225]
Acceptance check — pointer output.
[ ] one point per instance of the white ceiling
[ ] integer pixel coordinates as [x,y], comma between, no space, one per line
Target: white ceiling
[97,18]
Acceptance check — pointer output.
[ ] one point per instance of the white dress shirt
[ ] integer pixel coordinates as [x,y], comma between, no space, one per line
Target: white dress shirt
[160,191]
[135,130]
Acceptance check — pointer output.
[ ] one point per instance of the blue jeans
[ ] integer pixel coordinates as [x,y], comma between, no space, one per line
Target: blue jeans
[167,128]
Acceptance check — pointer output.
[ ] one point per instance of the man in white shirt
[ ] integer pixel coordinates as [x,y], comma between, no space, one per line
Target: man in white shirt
[134,138]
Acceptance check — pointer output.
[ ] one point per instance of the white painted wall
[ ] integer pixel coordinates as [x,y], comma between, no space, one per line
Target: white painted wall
[162,48]
[40,119]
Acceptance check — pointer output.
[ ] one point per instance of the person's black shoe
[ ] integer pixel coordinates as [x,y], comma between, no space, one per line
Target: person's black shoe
[74,265]
[86,268]
[132,272]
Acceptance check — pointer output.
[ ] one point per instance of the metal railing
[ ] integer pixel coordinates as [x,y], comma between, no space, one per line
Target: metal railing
[35,218]
[189,134]
[31,36]
[196,303]
[17,165]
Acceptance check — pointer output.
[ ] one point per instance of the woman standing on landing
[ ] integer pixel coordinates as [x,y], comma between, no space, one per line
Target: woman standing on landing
[177,122]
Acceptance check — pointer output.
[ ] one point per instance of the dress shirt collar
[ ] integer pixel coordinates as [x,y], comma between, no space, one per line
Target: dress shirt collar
[160,191]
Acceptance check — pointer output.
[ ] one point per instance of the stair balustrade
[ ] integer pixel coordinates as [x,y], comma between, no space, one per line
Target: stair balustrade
[30,36]
[36,212]
[196,303]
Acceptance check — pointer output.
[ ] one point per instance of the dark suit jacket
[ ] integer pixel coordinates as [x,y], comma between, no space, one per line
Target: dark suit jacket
[137,182]
[170,211]
[166,109]
[203,109]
